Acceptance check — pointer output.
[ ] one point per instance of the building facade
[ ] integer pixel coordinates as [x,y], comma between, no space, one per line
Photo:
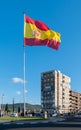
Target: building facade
[55,88]
[75,101]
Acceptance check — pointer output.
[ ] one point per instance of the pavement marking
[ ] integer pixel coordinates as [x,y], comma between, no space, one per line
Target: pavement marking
[20,123]
[6,123]
[53,121]
[33,122]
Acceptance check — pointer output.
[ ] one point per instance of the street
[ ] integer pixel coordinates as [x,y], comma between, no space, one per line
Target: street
[70,124]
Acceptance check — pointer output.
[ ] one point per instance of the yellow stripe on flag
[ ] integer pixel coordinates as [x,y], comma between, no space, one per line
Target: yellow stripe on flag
[31,31]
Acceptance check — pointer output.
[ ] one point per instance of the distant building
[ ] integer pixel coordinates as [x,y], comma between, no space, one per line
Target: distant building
[55,88]
[75,101]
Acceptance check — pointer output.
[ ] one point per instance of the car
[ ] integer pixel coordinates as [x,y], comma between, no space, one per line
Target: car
[39,114]
[78,115]
[13,115]
[55,114]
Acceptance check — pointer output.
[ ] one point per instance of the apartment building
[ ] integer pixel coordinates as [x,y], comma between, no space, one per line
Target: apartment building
[55,88]
[75,101]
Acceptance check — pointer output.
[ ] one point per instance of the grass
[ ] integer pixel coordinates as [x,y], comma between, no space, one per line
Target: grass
[8,118]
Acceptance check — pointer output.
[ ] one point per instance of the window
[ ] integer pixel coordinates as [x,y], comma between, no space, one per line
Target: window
[47,88]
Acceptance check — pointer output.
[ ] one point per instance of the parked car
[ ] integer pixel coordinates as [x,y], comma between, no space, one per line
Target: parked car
[77,115]
[55,114]
[39,114]
[13,115]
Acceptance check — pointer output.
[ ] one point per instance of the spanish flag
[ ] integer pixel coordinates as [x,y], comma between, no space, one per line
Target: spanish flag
[36,33]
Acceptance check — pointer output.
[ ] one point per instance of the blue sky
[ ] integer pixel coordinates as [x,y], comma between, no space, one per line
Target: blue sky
[63,16]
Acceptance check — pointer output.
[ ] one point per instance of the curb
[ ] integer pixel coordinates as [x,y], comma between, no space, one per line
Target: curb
[31,122]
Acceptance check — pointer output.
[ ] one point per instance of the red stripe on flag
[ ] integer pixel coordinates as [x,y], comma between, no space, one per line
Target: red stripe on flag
[38,42]
[38,24]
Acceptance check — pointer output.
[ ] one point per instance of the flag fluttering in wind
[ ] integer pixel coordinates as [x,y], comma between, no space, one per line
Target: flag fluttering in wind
[36,33]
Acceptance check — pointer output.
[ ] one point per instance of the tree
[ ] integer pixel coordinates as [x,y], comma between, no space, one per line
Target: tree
[13,104]
[18,109]
[6,108]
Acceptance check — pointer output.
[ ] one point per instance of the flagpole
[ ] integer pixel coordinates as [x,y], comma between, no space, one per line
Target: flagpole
[24,69]
[24,85]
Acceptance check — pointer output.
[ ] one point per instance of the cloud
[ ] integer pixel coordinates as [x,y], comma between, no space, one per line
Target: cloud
[26,91]
[18,92]
[17,80]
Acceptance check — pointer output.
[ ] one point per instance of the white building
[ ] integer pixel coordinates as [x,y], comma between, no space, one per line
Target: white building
[55,88]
